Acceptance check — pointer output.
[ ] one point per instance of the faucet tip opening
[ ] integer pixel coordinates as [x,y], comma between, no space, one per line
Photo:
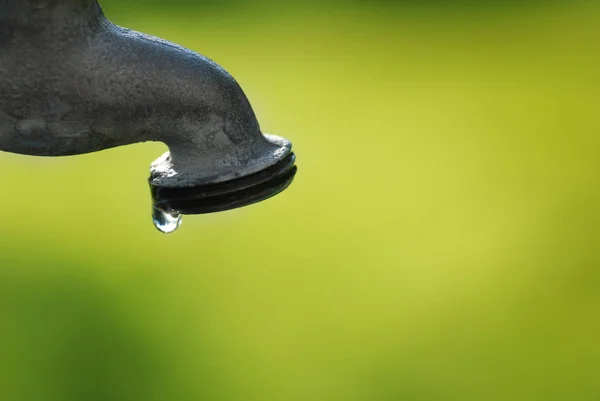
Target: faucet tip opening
[228,195]
[263,179]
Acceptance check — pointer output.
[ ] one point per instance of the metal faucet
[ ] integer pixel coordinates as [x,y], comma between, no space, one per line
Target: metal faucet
[71,82]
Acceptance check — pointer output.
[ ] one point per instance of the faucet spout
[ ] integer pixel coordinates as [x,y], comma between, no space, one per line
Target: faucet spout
[71,82]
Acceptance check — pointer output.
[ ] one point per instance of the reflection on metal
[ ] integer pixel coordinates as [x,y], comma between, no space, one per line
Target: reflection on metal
[71,82]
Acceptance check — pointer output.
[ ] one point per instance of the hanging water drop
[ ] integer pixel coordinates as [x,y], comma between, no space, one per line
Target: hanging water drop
[166,221]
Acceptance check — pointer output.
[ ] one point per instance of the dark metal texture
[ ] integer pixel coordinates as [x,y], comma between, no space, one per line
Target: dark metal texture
[71,82]
[229,195]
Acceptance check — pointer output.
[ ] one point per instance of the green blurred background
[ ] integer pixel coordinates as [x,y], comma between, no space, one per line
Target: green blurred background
[441,240]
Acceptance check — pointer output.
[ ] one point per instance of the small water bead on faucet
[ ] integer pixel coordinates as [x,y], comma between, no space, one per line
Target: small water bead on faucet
[166,222]
[218,156]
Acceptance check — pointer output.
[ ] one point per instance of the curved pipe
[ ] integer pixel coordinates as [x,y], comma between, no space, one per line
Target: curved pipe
[71,82]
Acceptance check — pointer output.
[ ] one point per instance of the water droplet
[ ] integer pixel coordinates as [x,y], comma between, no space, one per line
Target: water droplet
[166,221]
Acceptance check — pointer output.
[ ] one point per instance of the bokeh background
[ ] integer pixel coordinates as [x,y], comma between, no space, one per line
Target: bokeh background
[441,240]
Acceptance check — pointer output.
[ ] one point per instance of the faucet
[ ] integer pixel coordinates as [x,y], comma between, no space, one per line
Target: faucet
[71,82]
